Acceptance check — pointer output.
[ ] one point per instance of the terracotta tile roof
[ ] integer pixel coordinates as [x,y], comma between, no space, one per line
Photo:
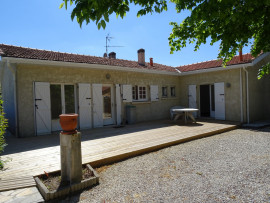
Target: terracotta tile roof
[29,53]
[247,58]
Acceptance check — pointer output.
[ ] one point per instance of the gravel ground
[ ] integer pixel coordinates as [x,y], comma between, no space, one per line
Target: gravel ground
[229,167]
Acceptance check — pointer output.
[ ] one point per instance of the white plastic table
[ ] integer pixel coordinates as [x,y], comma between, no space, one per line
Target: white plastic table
[186,112]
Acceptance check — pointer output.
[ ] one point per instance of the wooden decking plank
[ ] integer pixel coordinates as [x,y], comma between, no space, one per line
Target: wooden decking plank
[129,142]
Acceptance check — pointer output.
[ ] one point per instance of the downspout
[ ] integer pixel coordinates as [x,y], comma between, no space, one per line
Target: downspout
[14,72]
[244,68]
[241,96]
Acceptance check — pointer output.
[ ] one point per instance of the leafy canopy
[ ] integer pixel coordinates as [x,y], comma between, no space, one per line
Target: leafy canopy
[233,23]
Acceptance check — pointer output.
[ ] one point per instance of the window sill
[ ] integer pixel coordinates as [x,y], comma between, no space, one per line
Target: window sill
[141,102]
[169,98]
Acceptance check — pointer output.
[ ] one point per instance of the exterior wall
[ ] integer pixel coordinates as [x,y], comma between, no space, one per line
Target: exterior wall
[259,94]
[232,93]
[8,95]
[27,74]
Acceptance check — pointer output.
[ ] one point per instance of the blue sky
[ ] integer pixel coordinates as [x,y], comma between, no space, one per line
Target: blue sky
[42,25]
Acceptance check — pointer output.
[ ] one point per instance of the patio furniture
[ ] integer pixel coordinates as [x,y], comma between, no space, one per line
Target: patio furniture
[174,114]
[186,112]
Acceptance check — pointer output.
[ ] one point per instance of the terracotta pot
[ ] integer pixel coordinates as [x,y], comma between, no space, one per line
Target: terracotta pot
[68,122]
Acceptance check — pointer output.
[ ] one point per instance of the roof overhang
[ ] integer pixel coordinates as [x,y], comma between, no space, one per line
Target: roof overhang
[216,69]
[207,70]
[84,65]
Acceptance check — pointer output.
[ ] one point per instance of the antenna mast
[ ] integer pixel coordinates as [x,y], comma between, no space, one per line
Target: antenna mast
[108,38]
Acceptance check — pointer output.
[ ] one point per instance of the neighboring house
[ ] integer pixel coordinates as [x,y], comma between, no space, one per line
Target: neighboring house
[38,85]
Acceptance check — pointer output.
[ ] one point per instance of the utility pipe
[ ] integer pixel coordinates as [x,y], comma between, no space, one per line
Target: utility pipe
[241,96]
[244,68]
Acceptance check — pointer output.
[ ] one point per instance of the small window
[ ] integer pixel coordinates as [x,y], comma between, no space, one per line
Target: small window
[139,93]
[164,92]
[173,92]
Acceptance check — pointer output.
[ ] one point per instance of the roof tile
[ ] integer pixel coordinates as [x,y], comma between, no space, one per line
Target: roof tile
[247,58]
[29,53]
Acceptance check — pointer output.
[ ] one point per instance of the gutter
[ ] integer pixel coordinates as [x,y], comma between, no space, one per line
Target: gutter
[241,96]
[87,66]
[244,68]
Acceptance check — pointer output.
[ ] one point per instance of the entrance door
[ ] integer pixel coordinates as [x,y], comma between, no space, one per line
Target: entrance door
[108,104]
[42,108]
[192,98]
[205,100]
[97,105]
[85,111]
[62,101]
[219,101]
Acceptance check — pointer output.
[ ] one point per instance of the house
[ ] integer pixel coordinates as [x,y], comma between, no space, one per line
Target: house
[38,85]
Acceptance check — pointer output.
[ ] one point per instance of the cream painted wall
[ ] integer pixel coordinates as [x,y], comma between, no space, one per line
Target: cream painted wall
[259,93]
[232,95]
[27,74]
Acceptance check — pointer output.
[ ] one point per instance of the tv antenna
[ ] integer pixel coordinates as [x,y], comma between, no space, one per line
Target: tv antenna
[108,39]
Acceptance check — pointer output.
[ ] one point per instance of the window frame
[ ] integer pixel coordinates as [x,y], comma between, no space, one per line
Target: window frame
[173,95]
[137,93]
[162,91]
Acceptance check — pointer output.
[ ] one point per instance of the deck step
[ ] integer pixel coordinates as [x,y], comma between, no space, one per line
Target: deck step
[16,183]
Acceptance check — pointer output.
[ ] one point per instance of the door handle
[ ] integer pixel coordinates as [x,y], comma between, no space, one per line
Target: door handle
[221,94]
[38,99]
[88,98]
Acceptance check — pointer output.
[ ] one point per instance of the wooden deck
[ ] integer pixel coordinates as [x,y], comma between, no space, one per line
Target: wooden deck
[32,156]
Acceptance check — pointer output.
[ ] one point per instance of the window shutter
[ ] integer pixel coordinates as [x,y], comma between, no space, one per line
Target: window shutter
[127,93]
[154,92]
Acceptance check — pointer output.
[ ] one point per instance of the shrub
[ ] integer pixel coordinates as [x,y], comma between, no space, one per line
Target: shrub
[3,125]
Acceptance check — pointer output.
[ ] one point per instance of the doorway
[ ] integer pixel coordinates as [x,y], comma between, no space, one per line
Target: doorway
[205,100]
[62,101]
[108,107]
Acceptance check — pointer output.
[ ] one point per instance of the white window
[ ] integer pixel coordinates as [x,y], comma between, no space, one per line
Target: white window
[164,91]
[173,92]
[139,93]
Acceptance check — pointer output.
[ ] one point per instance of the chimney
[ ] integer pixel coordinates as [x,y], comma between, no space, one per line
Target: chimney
[240,54]
[151,62]
[141,57]
[112,55]
[105,55]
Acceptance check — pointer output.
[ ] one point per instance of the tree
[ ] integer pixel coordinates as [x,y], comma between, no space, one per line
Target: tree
[233,23]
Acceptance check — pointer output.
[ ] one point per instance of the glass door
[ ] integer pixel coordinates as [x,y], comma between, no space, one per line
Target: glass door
[62,101]
[108,107]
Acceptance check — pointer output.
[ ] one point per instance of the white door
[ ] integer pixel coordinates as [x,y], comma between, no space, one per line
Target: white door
[154,92]
[42,108]
[85,112]
[219,101]
[97,105]
[118,100]
[192,102]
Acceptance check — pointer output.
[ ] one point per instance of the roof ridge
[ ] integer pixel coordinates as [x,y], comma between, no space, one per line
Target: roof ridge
[80,54]
[34,53]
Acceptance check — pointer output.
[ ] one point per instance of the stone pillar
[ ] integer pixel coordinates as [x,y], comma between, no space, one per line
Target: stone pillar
[71,157]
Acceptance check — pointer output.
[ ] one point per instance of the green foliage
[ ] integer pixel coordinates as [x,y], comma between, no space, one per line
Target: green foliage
[3,125]
[265,70]
[99,11]
[232,23]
